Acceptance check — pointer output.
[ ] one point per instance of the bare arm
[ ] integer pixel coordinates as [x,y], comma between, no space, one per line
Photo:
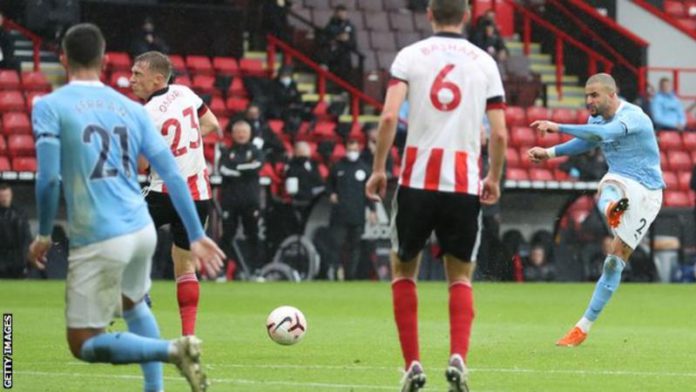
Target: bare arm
[497,144]
[209,123]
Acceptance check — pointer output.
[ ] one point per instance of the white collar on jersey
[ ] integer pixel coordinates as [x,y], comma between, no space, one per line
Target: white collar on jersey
[93,83]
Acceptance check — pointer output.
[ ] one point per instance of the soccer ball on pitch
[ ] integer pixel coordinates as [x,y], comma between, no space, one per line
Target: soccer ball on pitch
[286,325]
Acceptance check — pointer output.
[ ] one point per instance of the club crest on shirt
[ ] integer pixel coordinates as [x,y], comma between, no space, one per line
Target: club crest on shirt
[360,175]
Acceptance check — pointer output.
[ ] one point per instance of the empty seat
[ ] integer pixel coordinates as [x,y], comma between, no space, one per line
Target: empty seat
[515,116]
[26,164]
[362,39]
[4,164]
[324,130]
[687,23]
[684,180]
[512,158]
[16,123]
[385,59]
[553,164]
[118,61]
[382,40]
[564,116]
[376,21]
[3,146]
[669,140]
[32,97]
[679,160]
[405,39]
[237,88]
[560,175]
[178,63]
[183,80]
[671,180]
[276,126]
[9,80]
[539,174]
[676,199]
[226,66]
[199,65]
[20,145]
[582,116]
[217,106]
[11,101]
[548,140]
[535,113]
[349,4]
[224,122]
[235,105]
[524,157]
[338,153]
[675,8]
[422,24]
[35,81]
[252,67]
[516,174]
[395,5]
[370,5]
[318,4]
[689,141]
[205,84]
[322,17]
[401,21]
[522,136]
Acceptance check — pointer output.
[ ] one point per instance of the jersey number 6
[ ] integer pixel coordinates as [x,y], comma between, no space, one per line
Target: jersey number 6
[441,84]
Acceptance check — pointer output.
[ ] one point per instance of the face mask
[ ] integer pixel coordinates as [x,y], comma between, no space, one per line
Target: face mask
[286,81]
[353,155]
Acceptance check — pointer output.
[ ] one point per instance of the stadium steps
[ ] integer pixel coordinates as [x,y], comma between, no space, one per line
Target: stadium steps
[50,64]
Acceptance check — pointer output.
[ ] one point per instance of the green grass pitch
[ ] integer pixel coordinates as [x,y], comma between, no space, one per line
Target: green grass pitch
[644,341]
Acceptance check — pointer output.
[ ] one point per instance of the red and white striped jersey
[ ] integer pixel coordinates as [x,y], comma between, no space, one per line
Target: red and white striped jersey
[451,84]
[176,110]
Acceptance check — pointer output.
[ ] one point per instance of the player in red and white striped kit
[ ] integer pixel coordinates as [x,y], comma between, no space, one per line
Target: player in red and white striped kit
[450,84]
[183,119]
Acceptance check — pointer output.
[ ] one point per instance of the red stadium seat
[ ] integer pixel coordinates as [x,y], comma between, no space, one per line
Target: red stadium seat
[217,105]
[27,164]
[691,118]
[582,115]
[689,139]
[664,163]
[226,66]
[16,123]
[554,163]
[276,126]
[677,199]
[565,137]
[205,84]
[548,140]
[224,122]
[524,158]
[679,160]
[33,97]
[235,105]
[237,88]
[118,61]
[564,116]
[539,174]
[120,80]
[11,101]
[252,67]
[3,146]
[684,180]
[687,23]
[512,158]
[178,63]
[35,81]
[522,136]
[675,8]
[183,80]
[516,174]
[200,65]
[20,145]
[324,130]
[338,153]
[669,140]
[671,180]
[560,175]
[4,164]
[515,116]
[535,113]
[323,171]
[9,80]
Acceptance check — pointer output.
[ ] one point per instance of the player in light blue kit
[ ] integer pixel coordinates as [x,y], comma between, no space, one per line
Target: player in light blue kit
[89,137]
[630,194]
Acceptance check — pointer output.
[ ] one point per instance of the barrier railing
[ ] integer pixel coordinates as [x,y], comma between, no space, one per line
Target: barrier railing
[35,40]
[676,76]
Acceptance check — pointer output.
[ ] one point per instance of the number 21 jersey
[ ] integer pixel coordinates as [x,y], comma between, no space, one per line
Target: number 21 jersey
[176,112]
[451,84]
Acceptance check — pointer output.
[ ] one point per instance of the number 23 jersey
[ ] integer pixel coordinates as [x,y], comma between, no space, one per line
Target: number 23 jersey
[451,84]
[176,112]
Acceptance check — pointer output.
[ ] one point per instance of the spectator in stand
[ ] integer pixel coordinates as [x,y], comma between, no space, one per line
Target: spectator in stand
[287,100]
[491,41]
[275,18]
[262,135]
[147,40]
[644,100]
[368,153]
[537,268]
[303,182]
[478,29]
[241,192]
[15,236]
[346,188]
[591,166]
[666,108]
[340,38]
[7,57]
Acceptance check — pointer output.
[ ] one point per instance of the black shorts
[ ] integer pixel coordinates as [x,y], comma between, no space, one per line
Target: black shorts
[163,212]
[455,217]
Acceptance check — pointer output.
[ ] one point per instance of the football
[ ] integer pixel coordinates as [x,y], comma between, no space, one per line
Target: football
[286,325]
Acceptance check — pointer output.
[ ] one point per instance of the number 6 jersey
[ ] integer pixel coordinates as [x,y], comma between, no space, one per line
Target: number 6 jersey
[176,110]
[451,84]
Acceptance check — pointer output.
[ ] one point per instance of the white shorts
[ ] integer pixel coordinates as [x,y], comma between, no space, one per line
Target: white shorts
[643,206]
[99,273]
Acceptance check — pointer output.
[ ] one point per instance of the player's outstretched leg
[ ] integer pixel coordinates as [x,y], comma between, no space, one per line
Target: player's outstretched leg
[607,284]
[187,289]
[141,321]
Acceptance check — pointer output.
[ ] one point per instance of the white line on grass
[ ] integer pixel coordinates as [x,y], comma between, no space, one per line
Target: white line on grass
[215,380]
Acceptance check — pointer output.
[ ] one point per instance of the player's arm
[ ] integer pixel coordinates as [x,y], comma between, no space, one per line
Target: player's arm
[396,94]
[209,123]
[497,145]
[572,147]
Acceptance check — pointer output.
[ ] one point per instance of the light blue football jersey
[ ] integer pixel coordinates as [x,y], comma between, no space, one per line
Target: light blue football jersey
[101,133]
[634,154]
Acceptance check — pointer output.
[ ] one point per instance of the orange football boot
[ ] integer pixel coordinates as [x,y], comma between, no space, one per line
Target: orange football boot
[615,211]
[573,338]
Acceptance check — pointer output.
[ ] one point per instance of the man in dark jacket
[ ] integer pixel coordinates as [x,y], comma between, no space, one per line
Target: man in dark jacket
[15,236]
[262,135]
[346,188]
[341,39]
[239,167]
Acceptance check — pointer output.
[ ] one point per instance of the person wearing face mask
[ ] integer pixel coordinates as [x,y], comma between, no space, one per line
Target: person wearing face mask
[15,236]
[287,101]
[345,186]
[147,40]
[262,135]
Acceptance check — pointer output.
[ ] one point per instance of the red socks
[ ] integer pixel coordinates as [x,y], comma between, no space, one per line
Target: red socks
[461,310]
[405,300]
[187,293]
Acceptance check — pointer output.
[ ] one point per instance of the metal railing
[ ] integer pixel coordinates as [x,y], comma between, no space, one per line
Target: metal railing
[35,40]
